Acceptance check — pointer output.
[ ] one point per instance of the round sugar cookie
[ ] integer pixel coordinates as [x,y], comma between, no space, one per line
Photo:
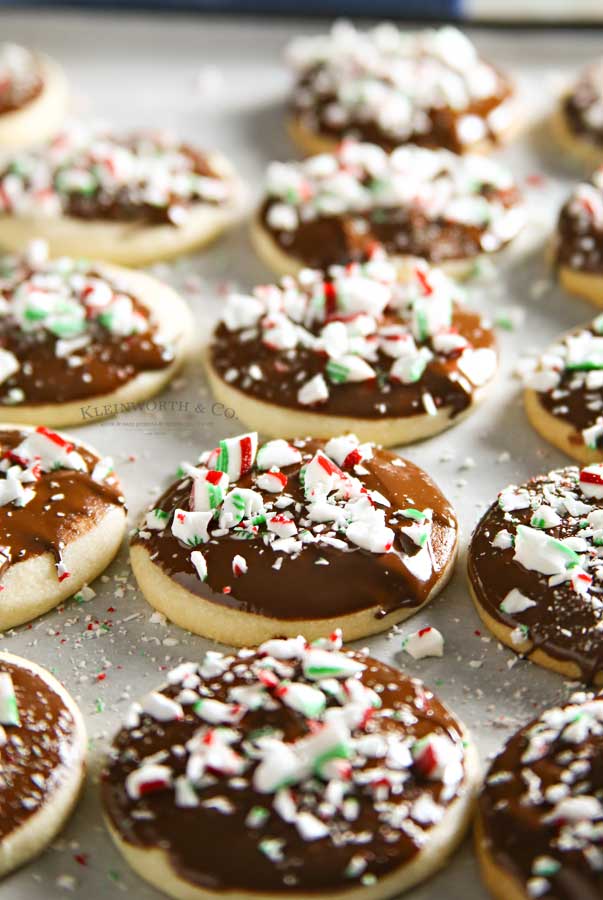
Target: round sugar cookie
[33,97]
[535,569]
[317,771]
[539,813]
[81,340]
[577,249]
[387,352]
[128,199]
[390,87]
[563,396]
[251,544]
[332,208]
[62,520]
[42,759]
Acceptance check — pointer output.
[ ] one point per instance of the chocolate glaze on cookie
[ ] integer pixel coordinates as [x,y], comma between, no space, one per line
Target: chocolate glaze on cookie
[583,106]
[536,566]
[332,208]
[146,178]
[374,342]
[69,332]
[390,88]
[288,559]
[540,809]
[579,238]
[35,753]
[568,378]
[61,500]
[198,770]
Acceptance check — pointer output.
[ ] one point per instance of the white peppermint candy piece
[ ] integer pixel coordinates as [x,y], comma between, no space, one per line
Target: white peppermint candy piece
[349,369]
[214,712]
[9,710]
[149,778]
[50,449]
[545,517]
[539,552]
[320,663]
[240,504]
[236,455]
[313,391]
[437,758]
[102,469]
[376,538]
[592,435]
[191,527]
[239,565]
[426,641]
[409,368]
[516,602]
[347,451]
[161,708]
[12,490]
[357,294]
[591,481]
[200,564]
[321,476]
[303,698]
[9,364]
[279,332]
[279,766]
[242,311]
[576,809]
[284,649]
[512,498]
[277,453]
[395,341]
[208,489]
[503,539]
[281,525]
[273,482]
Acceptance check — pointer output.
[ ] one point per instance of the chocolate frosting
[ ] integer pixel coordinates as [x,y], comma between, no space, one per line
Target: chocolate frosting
[575,405]
[107,362]
[218,851]
[577,105]
[126,207]
[440,123]
[579,241]
[327,240]
[520,793]
[353,580]
[45,524]
[34,758]
[372,399]
[562,623]
[146,201]
[11,101]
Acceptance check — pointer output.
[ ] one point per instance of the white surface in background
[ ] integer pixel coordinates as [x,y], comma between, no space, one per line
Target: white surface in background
[222,84]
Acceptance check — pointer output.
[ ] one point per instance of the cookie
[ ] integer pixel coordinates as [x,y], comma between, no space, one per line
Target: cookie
[331,208]
[563,397]
[390,87]
[539,814]
[33,97]
[390,353]
[303,536]
[294,769]
[577,121]
[42,759]
[62,519]
[535,569]
[84,340]
[130,199]
[578,242]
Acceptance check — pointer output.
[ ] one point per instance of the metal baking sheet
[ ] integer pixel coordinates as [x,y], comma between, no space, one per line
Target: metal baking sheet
[222,83]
